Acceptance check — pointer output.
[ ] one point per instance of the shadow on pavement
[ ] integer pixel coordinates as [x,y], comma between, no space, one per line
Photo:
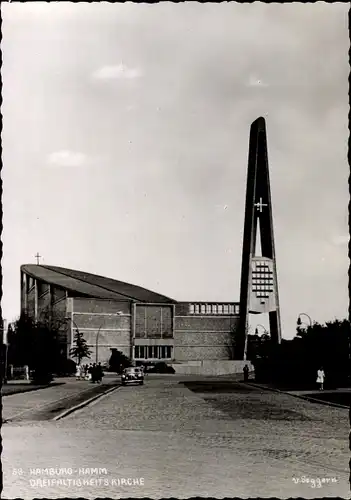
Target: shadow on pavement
[241,401]
[220,386]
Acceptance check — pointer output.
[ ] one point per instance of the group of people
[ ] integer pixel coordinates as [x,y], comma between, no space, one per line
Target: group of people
[92,372]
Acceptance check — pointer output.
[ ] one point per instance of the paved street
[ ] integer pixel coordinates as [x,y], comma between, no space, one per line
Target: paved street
[182,440]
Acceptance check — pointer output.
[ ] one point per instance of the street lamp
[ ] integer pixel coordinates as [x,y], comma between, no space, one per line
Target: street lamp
[299,322]
[74,324]
[97,344]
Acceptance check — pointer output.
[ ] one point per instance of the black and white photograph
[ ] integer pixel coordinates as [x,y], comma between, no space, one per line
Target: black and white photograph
[175,250]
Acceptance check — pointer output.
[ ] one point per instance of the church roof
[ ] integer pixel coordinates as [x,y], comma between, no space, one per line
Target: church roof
[92,285]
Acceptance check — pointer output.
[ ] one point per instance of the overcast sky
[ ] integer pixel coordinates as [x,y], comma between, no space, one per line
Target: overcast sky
[125,143]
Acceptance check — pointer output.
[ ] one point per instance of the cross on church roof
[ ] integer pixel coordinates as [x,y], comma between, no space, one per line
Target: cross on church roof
[37,256]
[260,205]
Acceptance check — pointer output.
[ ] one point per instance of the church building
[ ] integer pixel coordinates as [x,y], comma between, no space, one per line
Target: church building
[144,325]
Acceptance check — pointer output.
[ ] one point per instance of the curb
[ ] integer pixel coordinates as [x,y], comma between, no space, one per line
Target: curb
[85,403]
[306,398]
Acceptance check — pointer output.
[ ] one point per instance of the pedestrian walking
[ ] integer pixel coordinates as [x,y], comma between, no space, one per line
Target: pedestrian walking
[320,378]
[99,373]
[94,373]
[246,373]
[90,372]
[78,372]
[84,372]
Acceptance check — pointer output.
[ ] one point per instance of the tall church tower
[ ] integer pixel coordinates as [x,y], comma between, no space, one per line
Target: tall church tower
[259,286]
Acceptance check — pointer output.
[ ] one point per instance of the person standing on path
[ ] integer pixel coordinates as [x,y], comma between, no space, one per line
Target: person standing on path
[90,372]
[320,378]
[99,373]
[94,373]
[78,372]
[246,373]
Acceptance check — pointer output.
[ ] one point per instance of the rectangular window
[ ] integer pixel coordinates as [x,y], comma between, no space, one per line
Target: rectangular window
[214,308]
[166,322]
[150,352]
[136,352]
[220,309]
[168,352]
[163,351]
[203,309]
[225,309]
[191,308]
[197,309]
[153,321]
[208,308]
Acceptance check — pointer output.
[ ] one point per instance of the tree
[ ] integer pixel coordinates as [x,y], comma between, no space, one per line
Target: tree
[45,353]
[80,349]
[294,363]
[233,342]
[118,360]
[253,342]
[258,346]
[20,341]
[36,344]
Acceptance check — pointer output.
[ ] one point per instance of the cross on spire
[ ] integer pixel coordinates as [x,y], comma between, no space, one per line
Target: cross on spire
[37,256]
[260,205]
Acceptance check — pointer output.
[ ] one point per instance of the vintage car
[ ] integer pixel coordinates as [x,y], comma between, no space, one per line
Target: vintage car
[132,375]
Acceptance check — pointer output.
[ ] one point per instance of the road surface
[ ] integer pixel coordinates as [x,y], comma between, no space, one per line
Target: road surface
[175,438]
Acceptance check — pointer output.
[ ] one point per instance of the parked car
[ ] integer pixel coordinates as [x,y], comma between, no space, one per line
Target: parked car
[132,375]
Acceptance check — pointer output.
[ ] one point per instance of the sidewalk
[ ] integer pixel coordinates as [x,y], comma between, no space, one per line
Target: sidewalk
[340,397]
[20,386]
[61,396]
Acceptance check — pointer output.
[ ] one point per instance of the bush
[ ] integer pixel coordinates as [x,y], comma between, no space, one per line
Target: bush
[42,376]
[162,367]
[67,368]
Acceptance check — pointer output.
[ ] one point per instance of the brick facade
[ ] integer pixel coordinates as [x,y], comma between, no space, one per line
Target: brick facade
[202,336]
